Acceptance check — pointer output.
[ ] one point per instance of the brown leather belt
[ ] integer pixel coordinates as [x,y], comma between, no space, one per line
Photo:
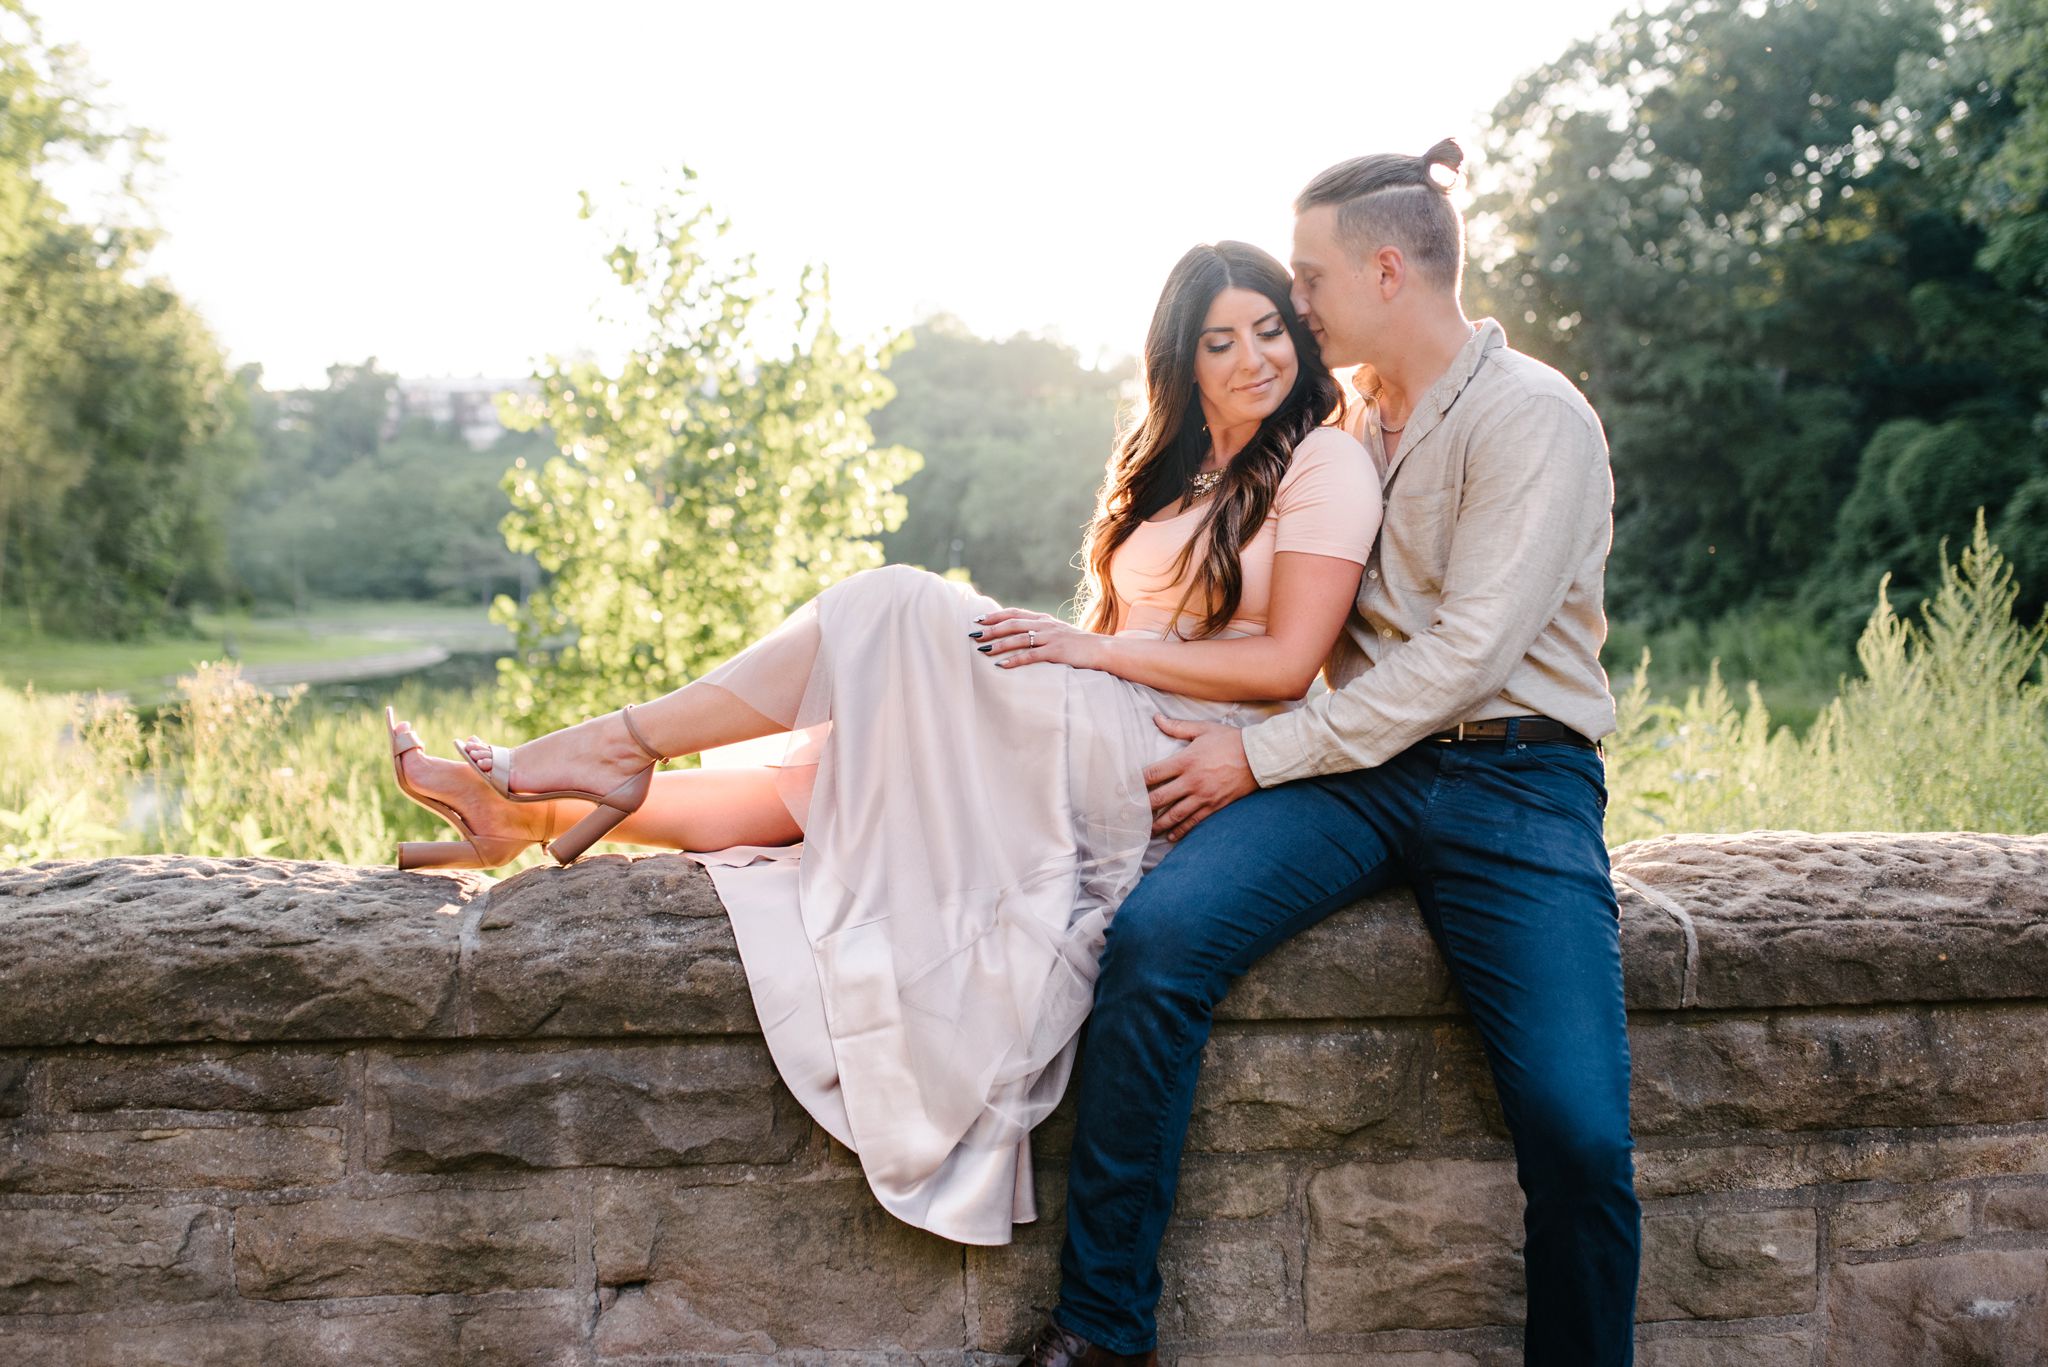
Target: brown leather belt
[1525,729]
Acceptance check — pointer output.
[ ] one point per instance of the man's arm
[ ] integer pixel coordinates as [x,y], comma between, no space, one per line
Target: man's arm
[1519,536]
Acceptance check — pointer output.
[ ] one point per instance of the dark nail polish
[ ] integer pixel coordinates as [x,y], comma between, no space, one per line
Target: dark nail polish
[975,634]
[984,649]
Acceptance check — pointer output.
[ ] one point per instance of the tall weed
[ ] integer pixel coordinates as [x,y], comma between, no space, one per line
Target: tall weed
[1947,729]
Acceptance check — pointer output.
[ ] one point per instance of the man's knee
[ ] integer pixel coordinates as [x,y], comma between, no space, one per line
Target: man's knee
[1573,1147]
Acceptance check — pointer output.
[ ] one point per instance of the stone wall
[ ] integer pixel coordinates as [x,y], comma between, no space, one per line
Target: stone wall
[263,1112]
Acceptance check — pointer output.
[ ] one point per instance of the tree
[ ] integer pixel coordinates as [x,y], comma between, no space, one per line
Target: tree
[1694,220]
[122,435]
[704,487]
[1015,435]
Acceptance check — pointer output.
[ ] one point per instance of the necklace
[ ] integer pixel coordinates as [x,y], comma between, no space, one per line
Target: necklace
[1202,481]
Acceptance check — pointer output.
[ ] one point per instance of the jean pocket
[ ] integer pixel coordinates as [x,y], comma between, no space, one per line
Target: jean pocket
[1565,759]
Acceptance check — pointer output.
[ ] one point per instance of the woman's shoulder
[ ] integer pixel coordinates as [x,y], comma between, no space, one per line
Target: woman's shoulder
[1328,452]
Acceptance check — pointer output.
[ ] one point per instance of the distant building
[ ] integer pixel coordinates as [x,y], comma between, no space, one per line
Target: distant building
[468,406]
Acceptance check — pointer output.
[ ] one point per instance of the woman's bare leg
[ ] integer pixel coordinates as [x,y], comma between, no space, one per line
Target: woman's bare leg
[695,809]
[597,755]
[710,809]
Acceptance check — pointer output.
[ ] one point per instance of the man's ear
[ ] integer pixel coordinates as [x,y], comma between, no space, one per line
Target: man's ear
[1390,270]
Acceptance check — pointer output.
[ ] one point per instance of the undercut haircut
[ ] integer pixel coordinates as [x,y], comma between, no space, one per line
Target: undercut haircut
[1389,200]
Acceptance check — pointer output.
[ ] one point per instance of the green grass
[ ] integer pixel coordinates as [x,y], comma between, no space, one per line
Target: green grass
[327,632]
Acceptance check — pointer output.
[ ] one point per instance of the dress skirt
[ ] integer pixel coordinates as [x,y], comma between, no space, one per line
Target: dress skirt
[921,964]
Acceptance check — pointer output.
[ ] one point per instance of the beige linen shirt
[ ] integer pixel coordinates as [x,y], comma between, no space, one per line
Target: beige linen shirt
[1483,595]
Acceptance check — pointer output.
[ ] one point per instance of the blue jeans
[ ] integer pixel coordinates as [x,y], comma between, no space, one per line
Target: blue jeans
[1503,846]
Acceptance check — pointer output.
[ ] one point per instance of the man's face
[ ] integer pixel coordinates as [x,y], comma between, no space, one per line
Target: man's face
[1338,296]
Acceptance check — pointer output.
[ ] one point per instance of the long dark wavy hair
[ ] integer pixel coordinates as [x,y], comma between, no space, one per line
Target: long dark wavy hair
[1159,453]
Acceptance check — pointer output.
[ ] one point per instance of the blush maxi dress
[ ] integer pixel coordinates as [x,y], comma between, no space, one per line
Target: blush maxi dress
[922,962]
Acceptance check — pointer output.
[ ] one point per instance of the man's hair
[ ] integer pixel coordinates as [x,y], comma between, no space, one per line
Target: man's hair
[1392,200]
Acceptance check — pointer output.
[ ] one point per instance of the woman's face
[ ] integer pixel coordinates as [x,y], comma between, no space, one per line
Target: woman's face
[1244,359]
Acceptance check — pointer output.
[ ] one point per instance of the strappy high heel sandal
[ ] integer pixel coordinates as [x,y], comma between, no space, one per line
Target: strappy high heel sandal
[612,808]
[475,850]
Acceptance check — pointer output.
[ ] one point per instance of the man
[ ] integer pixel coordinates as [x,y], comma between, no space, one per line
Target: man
[1454,751]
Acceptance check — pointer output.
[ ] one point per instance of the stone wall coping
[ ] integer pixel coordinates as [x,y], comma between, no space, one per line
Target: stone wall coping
[168,949]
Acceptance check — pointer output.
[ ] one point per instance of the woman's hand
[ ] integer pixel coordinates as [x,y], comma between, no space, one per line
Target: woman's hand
[1013,636]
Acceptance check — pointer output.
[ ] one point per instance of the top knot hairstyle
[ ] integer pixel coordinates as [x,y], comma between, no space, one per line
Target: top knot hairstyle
[1405,202]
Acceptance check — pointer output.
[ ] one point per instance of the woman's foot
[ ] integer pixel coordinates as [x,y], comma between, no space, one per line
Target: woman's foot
[454,784]
[592,757]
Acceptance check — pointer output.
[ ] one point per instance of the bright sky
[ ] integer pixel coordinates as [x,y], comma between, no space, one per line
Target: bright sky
[400,179]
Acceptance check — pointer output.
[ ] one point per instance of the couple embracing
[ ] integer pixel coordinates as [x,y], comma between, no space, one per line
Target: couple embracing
[979,827]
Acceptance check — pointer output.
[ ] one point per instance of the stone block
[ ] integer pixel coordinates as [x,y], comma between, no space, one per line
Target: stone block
[1233,1187]
[1982,1306]
[1418,1245]
[439,1333]
[768,1268]
[629,1105]
[1929,1156]
[1653,953]
[157,949]
[68,1261]
[1420,1357]
[14,1074]
[2015,1209]
[1829,1070]
[1006,1285]
[1790,919]
[418,1243]
[1727,1265]
[1919,1217]
[607,946]
[1467,1105]
[1219,1282]
[237,1157]
[1320,1089]
[1735,1350]
[219,1080]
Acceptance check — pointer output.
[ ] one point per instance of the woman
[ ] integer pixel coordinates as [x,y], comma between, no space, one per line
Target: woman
[969,820]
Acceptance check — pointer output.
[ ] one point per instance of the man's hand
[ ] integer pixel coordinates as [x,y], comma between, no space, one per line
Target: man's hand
[1200,781]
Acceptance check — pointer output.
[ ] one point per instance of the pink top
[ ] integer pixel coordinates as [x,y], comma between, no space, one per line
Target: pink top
[1328,503]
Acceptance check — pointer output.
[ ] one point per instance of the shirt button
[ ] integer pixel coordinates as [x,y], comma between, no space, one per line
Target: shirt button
[1386,632]
[1372,574]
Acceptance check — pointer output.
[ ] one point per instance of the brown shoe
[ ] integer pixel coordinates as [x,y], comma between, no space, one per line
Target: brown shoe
[1057,1346]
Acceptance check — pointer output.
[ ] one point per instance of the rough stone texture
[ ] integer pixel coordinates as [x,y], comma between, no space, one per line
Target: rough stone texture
[56,1262]
[168,1159]
[1428,1245]
[608,946]
[631,1106]
[761,1269]
[416,1244]
[1744,1350]
[1322,1090]
[1922,1156]
[13,1087]
[296,1114]
[2016,1209]
[1834,1069]
[1727,1265]
[155,949]
[1923,1217]
[545,1334]
[218,1080]
[1987,1307]
[1790,919]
